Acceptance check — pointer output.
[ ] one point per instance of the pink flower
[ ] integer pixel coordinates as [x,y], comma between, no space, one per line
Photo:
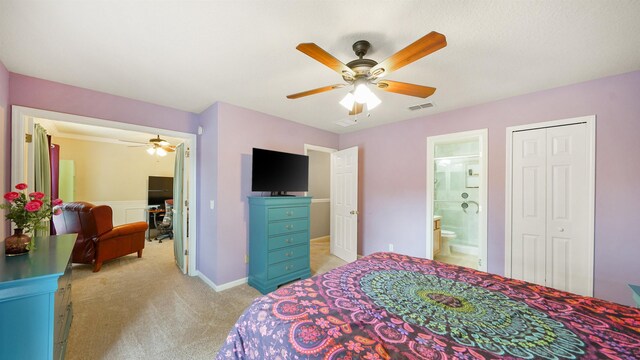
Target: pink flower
[57,211]
[56,202]
[21,186]
[38,201]
[33,206]
[10,196]
[37,195]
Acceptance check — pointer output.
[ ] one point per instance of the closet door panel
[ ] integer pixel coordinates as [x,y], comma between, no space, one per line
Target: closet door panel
[567,209]
[528,206]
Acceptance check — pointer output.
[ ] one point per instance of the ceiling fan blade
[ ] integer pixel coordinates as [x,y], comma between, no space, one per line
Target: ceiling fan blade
[357,109]
[420,48]
[325,58]
[169,148]
[315,91]
[406,88]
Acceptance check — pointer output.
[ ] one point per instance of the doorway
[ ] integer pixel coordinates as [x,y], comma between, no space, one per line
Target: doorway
[456,199]
[23,118]
[338,199]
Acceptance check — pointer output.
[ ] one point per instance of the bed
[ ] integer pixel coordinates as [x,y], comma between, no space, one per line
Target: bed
[387,305]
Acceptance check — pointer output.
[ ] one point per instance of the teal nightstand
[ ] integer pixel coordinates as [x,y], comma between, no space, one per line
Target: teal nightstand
[635,289]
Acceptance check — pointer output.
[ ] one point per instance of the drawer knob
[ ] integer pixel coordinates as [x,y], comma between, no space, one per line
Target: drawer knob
[289,254]
[289,213]
[289,227]
[288,241]
[288,267]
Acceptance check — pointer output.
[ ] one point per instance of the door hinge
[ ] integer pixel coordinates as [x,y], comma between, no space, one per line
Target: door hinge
[186,203]
[187,153]
[28,138]
[186,252]
[480,262]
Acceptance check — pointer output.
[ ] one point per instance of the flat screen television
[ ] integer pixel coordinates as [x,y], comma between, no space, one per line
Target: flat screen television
[279,172]
[160,189]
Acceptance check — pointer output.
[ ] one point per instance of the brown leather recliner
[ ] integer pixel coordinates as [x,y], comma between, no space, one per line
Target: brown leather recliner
[98,240]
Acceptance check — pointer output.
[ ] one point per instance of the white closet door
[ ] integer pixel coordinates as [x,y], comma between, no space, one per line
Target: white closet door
[550,242]
[528,254]
[567,209]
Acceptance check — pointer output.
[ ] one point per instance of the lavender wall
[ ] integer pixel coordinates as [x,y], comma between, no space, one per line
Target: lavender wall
[48,95]
[4,137]
[240,130]
[393,173]
[207,190]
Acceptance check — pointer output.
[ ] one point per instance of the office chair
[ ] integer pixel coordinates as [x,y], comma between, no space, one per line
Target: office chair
[165,227]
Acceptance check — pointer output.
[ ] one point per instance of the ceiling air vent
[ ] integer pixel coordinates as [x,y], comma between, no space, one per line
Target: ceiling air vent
[347,122]
[420,106]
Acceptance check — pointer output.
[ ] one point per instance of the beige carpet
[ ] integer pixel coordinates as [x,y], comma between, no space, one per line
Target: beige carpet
[146,309]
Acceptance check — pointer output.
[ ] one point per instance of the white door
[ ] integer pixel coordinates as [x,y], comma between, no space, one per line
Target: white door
[529,212]
[567,214]
[344,204]
[551,245]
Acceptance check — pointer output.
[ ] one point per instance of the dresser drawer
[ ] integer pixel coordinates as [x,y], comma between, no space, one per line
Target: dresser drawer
[287,267]
[288,213]
[288,240]
[287,253]
[285,227]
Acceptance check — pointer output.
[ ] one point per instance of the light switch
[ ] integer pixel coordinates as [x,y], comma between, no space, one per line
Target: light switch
[211,204]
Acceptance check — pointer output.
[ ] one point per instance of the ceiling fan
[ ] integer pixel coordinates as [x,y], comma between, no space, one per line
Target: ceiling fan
[361,72]
[155,146]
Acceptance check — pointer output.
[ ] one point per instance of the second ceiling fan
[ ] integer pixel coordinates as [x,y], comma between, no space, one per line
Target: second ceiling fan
[362,72]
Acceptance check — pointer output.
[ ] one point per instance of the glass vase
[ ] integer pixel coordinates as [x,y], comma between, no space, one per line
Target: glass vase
[17,244]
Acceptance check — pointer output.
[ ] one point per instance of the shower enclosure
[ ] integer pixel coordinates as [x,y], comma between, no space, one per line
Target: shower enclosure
[458,192]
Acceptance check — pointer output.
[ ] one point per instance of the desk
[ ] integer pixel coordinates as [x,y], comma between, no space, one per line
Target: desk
[155,213]
[635,289]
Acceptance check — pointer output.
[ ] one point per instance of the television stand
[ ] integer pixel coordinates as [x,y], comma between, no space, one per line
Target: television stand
[280,193]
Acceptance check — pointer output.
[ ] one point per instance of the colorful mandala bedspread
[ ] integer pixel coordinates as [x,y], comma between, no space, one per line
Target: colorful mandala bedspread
[388,305]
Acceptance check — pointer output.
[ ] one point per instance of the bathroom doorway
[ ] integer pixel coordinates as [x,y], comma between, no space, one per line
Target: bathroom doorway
[456,198]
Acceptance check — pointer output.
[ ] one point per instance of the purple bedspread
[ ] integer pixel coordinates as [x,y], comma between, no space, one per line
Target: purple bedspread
[388,305]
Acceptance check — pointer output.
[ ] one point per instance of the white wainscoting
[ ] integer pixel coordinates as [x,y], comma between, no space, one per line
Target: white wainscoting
[125,212]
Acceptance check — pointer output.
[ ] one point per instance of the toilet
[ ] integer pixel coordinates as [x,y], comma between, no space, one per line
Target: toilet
[447,236]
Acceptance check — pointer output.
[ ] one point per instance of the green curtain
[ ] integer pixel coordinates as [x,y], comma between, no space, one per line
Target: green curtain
[42,169]
[178,205]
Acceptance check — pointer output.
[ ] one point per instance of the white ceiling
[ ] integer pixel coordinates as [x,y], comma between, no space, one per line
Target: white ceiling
[190,54]
[71,130]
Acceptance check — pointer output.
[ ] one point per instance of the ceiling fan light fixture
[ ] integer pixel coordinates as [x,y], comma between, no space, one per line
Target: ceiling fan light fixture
[362,92]
[161,152]
[151,151]
[373,101]
[348,101]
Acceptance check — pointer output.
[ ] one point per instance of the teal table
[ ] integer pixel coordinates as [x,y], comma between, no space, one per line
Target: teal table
[35,300]
[635,289]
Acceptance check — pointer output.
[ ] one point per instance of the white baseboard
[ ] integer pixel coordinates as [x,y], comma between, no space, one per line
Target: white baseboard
[218,288]
[321,239]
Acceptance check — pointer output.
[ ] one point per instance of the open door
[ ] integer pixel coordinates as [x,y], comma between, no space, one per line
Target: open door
[179,220]
[344,204]
[22,159]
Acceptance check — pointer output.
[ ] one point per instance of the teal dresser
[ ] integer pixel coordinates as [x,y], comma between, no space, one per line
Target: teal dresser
[278,241]
[35,300]
[635,292]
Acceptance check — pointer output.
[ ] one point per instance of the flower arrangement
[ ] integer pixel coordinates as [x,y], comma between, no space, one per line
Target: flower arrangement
[27,211]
